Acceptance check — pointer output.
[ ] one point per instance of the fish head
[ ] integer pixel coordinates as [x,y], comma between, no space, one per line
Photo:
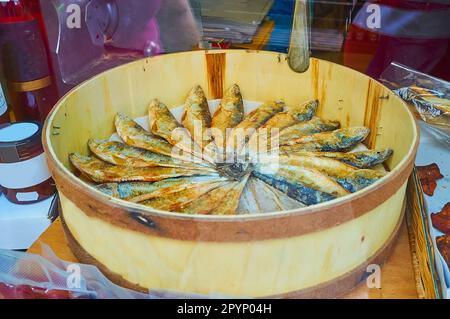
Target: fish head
[353,135]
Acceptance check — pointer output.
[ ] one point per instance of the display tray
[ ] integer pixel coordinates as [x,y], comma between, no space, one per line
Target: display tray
[434,152]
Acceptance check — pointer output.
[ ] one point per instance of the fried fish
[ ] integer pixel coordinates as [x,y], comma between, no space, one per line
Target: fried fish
[102,172]
[360,159]
[223,200]
[241,134]
[293,115]
[295,189]
[315,125]
[134,135]
[176,201]
[325,165]
[359,179]
[197,118]
[163,123]
[229,114]
[121,154]
[141,191]
[230,202]
[206,203]
[338,140]
[349,177]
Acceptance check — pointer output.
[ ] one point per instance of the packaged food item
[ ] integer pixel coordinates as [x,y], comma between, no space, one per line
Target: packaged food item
[432,105]
[29,276]
[430,96]
[24,175]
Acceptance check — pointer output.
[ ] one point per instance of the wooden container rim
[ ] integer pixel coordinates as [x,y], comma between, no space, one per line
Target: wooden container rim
[399,171]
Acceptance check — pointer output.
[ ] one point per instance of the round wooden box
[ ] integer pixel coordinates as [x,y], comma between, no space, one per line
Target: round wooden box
[317,251]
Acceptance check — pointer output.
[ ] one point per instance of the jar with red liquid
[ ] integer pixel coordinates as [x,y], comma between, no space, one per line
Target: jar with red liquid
[4,116]
[31,89]
[24,175]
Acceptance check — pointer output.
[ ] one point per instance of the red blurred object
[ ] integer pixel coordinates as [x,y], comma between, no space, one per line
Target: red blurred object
[4,115]
[221,45]
[372,50]
[428,175]
[30,292]
[441,220]
[15,11]
[25,62]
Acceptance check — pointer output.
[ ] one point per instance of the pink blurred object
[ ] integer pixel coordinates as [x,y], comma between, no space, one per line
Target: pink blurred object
[413,33]
[109,33]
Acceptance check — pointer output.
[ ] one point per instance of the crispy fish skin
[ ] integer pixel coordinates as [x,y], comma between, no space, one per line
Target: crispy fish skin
[121,154]
[293,115]
[163,123]
[352,179]
[230,202]
[360,159]
[134,135]
[262,140]
[315,125]
[223,200]
[359,179]
[102,172]
[196,112]
[176,201]
[304,112]
[308,176]
[245,129]
[141,191]
[229,114]
[327,166]
[268,138]
[206,203]
[430,96]
[338,140]
[295,190]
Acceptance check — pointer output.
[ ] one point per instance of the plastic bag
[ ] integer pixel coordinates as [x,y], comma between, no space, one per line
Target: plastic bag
[31,276]
[429,95]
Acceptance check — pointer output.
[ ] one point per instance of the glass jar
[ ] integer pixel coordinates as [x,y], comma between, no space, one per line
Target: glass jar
[24,175]
[4,116]
[31,89]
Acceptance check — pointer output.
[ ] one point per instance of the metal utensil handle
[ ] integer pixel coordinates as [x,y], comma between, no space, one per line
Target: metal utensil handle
[298,55]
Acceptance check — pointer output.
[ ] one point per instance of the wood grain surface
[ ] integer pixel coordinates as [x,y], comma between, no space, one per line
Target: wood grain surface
[397,276]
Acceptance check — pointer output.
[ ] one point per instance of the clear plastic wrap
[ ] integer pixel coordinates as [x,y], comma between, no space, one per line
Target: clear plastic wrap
[24,275]
[429,95]
[30,276]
